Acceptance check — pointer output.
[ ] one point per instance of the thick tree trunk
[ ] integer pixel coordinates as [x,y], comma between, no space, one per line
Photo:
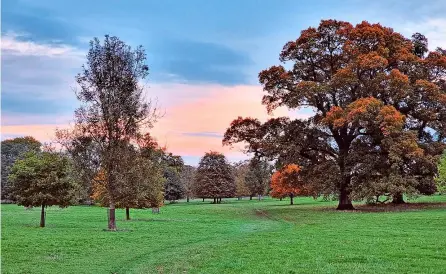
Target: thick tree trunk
[203,199]
[215,200]
[398,199]
[280,198]
[42,216]
[291,199]
[187,199]
[127,213]
[111,217]
[250,197]
[344,200]
[219,200]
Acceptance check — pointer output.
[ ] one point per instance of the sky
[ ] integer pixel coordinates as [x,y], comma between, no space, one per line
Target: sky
[204,57]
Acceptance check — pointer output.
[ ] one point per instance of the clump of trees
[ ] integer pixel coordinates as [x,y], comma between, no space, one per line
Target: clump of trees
[41,178]
[379,103]
[214,177]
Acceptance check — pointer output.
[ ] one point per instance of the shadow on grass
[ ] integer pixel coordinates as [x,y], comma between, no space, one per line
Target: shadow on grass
[400,207]
[156,220]
[389,207]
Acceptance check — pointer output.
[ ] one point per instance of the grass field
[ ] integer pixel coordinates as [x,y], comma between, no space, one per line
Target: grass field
[266,236]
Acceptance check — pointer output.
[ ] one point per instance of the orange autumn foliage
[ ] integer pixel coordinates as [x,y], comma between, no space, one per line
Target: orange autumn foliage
[99,189]
[287,182]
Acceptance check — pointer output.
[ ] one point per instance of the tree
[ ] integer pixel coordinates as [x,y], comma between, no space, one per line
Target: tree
[187,179]
[214,177]
[141,183]
[379,109]
[113,112]
[258,176]
[287,182]
[173,187]
[240,170]
[441,178]
[13,149]
[41,179]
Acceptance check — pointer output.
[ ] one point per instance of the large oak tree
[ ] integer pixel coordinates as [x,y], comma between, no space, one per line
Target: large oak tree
[379,103]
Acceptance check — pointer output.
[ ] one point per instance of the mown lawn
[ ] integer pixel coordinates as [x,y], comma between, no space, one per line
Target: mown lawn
[266,236]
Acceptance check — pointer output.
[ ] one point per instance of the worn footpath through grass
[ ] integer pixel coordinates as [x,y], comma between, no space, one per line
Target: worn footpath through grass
[266,236]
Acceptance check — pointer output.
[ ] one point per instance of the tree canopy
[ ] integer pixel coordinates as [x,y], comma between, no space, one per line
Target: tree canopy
[379,104]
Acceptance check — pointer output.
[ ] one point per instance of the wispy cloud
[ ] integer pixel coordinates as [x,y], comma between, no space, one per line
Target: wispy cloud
[433,28]
[13,44]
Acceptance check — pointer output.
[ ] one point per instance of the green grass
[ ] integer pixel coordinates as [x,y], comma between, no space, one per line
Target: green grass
[234,237]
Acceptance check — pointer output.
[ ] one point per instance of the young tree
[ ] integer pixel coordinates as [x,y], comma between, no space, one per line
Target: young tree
[41,179]
[113,112]
[379,107]
[241,189]
[214,177]
[187,179]
[11,150]
[258,177]
[287,182]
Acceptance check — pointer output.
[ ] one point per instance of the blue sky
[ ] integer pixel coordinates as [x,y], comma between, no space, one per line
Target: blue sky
[199,52]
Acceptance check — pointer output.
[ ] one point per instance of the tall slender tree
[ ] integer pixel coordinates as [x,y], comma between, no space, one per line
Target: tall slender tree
[379,104]
[113,111]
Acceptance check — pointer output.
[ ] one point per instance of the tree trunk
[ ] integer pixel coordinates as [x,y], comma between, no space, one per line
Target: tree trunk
[250,197]
[280,198]
[260,197]
[215,200]
[398,199]
[344,200]
[219,200]
[42,216]
[187,199]
[203,199]
[291,199]
[111,217]
[127,213]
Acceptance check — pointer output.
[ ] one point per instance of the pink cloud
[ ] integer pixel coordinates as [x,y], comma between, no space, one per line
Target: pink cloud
[189,109]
